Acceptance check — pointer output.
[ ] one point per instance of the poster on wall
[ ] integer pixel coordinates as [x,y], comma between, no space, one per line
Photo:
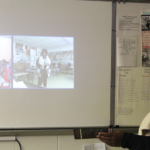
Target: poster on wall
[19,47]
[145,34]
[133,94]
[128,33]
[128,24]
[127,51]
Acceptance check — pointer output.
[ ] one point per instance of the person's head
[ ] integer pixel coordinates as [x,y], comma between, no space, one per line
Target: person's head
[44,52]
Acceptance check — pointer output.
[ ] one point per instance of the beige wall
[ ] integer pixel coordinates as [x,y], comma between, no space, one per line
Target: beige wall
[49,143]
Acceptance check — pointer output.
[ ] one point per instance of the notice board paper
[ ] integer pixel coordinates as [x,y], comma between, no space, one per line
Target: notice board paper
[132,95]
[127,51]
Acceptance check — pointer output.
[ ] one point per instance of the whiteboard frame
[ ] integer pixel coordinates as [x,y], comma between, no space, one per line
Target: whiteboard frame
[113,68]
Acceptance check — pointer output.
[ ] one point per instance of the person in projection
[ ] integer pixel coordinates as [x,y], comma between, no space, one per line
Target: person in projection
[43,68]
[7,74]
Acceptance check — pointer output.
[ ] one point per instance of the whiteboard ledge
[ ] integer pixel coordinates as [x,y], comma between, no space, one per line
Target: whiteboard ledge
[7,138]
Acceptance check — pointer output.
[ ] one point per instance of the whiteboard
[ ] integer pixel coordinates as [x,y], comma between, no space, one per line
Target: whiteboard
[131,111]
[88,103]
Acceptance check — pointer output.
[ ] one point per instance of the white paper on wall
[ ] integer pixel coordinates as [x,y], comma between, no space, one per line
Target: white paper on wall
[128,25]
[127,51]
[133,95]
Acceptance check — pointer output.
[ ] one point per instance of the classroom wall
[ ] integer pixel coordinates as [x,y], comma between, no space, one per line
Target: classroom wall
[66,142]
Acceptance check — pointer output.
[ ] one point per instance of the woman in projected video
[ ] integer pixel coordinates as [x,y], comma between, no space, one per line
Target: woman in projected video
[43,65]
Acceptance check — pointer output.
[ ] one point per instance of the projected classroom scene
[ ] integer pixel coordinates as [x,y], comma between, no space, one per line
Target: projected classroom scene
[43,62]
[5,61]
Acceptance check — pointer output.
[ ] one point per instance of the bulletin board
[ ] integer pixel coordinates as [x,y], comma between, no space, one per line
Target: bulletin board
[132,63]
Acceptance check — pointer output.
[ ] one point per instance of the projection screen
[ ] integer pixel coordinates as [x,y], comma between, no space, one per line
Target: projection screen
[55,63]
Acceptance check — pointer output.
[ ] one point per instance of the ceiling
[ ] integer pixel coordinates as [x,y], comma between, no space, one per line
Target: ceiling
[49,43]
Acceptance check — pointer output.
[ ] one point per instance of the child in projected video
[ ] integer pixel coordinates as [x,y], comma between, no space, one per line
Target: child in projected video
[5,74]
[43,65]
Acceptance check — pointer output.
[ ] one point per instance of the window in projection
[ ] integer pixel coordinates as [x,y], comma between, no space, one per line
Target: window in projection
[5,61]
[43,62]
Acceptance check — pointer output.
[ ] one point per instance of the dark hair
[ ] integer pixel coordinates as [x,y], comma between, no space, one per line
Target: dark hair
[44,50]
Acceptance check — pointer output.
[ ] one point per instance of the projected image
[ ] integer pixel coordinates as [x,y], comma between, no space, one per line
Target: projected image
[43,62]
[5,61]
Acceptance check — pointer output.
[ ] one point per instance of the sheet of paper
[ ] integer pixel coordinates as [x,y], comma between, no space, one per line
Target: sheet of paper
[133,95]
[95,146]
[88,147]
[127,51]
[127,95]
[99,146]
[128,25]
[128,85]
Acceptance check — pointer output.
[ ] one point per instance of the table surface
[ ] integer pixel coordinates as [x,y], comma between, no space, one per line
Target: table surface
[19,84]
[20,74]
